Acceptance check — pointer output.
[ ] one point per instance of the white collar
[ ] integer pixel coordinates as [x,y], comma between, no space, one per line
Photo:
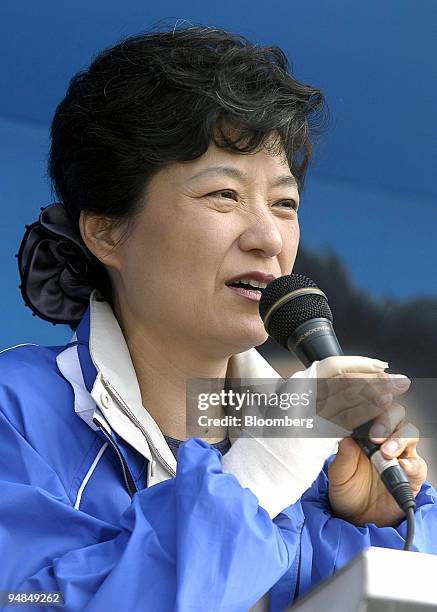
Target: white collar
[116,382]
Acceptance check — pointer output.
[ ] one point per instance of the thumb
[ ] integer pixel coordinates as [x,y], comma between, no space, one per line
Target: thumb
[346,461]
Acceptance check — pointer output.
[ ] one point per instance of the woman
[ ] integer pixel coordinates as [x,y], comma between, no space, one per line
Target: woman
[178,158]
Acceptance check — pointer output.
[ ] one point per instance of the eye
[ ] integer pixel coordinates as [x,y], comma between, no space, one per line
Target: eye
[214,193]
[291,204]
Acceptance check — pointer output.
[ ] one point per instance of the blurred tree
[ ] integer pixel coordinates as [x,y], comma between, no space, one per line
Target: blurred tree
[402,333]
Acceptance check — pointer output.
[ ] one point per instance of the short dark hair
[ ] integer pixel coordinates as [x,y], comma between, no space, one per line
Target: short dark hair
[159,97]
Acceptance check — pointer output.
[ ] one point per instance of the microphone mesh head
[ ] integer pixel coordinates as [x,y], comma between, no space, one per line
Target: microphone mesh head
[288,317]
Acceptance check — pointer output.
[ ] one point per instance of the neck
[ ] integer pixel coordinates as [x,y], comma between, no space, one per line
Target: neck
[162,367]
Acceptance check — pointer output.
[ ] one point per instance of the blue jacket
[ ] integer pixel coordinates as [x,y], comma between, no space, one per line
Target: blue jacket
[78,513]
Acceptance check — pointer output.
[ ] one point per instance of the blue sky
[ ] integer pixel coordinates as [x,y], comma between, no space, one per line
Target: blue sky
[371,192]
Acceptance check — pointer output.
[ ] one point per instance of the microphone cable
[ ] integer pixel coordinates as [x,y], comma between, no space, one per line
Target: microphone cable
[296,314]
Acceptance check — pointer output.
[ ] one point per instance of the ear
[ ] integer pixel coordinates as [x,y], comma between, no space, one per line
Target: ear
[101,236]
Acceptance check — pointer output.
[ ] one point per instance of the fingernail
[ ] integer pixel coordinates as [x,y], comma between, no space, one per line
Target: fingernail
[378,431]
[380,364]
[390,447]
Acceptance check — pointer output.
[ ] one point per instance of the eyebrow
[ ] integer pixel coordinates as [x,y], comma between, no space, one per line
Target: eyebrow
[286,179]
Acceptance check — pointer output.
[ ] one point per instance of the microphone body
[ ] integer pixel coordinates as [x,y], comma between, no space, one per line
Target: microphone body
[313,341]
[296,313]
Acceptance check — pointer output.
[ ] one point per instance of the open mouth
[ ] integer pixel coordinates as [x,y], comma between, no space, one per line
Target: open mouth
[247,286]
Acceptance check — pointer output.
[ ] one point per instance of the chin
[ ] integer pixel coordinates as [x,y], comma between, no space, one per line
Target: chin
[248,341]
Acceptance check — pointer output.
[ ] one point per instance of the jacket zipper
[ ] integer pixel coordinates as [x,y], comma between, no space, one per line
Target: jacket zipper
[129,481]
[130,414]
[296,590]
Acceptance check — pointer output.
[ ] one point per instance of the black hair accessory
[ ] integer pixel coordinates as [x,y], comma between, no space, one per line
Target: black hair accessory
[55,268]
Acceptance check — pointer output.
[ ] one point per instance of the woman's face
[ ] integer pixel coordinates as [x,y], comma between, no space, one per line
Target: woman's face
[204,222]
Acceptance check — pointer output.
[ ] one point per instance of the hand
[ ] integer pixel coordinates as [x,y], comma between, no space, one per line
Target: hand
[356,492]
[350,399]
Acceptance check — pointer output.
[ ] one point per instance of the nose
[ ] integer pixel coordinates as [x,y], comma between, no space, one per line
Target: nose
[261,234]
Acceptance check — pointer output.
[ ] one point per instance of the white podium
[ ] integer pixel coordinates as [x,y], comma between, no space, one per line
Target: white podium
[377,580]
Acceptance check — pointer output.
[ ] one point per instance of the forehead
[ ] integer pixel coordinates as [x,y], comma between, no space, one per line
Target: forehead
[251,165]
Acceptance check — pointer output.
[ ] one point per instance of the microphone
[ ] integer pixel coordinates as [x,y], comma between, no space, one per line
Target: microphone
[296,314]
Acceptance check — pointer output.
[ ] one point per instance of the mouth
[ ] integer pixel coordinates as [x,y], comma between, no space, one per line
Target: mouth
[251,281]
[254,295]
[248,286]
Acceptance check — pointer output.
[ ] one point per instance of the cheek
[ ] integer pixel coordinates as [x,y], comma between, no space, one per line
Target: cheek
[168,260]
[290,242]
[139,268]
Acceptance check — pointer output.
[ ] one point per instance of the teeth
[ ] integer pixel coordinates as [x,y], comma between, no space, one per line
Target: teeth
[253,283]
[258,284]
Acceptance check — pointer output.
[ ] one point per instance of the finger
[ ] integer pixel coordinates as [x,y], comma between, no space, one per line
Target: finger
[339,410]
[374,385]
[349,408]
[403,440]
[343,391]
[346,461]
[378,388]
[415,468]
[351,418]
[390,385]
[387,422]
[349,448]
[334,387]
[371,388]
[331,366]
